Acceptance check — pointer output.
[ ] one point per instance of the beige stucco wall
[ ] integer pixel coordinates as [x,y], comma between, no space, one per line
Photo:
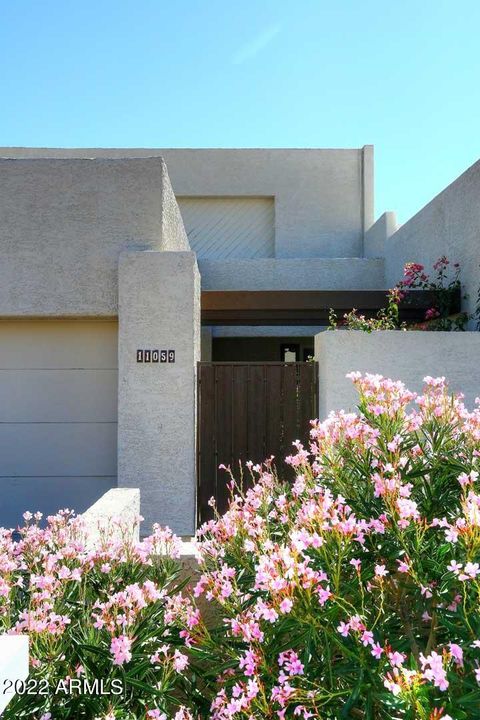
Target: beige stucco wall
[58,415]
[374,244]
[406,356]
[323,197]
[293,274]
[64,224]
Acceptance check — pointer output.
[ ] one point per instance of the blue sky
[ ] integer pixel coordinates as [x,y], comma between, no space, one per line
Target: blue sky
[403,76]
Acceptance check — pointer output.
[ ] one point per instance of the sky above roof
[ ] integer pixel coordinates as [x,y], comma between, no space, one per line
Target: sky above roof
[257,73]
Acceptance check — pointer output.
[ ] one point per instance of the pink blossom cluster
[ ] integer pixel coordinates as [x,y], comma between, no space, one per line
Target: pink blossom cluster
[370,557]
[440,284]
[116,602]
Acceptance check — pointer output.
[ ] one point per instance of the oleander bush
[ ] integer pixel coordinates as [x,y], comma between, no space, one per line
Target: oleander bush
[351,592]
[354,591]
[108,627]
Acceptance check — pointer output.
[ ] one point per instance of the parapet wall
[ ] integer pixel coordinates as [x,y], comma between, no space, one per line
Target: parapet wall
[323,197]
[65,223]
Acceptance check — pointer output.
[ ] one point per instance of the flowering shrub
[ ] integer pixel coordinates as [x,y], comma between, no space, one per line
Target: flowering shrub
[443,285]
[108,627]
[385,319]
[353,592]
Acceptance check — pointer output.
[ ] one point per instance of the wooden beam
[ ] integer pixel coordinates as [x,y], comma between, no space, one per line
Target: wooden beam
[305,307]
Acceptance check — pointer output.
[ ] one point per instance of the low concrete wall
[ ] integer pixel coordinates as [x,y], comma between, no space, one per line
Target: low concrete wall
[124,503]
[448,225]
[406,356]
[13,665]
[117,503]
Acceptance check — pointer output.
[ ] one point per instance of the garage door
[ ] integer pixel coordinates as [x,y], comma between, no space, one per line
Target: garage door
[58,415]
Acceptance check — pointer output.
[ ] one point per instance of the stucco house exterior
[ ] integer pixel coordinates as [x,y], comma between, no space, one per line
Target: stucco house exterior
[264,220]
[121,269]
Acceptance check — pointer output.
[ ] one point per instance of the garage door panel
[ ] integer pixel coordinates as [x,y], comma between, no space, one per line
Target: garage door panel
[58,414]
[58,396]
[51,449]
[48,495]
[58,344]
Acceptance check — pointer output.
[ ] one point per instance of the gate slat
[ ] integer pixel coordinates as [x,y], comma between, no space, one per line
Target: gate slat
[256,413]
[206,441]
[307,400]
[223,431]
[290,408]
[273,429]
[240,418]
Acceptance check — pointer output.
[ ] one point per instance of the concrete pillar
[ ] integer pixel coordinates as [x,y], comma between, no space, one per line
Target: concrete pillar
[159,346]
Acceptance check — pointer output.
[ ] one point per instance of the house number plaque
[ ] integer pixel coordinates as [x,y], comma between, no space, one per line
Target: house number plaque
[154,356]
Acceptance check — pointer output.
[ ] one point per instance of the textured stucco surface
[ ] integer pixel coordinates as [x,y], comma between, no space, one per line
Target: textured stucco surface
[116,504]
[275,274]
[159,307]
[377,235]
[64,224]
[448,225]
[406,356]
[323,197]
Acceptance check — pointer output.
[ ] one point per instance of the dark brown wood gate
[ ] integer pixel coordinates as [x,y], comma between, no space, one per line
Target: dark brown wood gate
[249,411]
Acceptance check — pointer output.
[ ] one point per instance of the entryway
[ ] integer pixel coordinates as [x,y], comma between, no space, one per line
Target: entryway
[249,411]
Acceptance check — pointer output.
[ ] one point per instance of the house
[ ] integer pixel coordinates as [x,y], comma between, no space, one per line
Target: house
[118,277]
[266,220]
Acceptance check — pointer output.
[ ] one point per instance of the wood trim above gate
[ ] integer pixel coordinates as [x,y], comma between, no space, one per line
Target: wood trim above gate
[306,307]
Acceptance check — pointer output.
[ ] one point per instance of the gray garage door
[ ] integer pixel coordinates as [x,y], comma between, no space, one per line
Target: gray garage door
[58,415]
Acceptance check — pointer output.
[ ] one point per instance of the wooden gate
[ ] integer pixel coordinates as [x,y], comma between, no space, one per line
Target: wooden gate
[249,411]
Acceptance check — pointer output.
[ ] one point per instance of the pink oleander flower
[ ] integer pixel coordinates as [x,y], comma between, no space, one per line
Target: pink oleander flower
[396,659]
[180,661]
[433,670]
[457,653]
[380,571]
[120,648]
[470,571]
[286,605]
